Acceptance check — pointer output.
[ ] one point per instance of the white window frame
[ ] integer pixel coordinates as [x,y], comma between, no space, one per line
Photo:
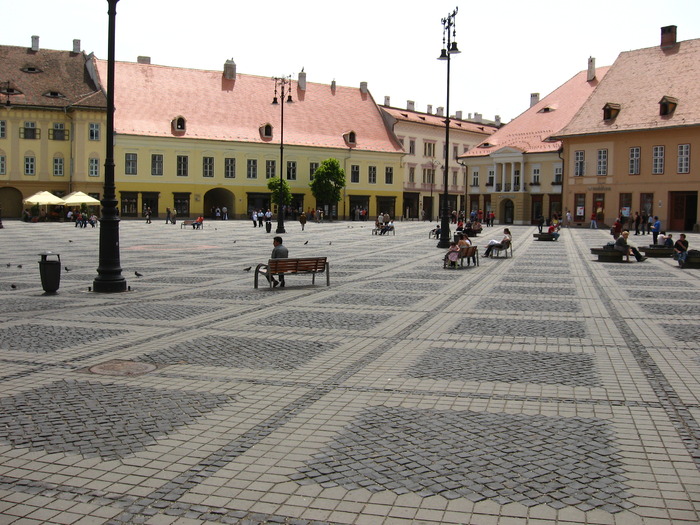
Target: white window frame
[412,147]
[475,177]
[602,164]
[208,167]
[131,164]
[372,174]
[93,167]
[58,167]
[157,164]
[94,131]
[428,149]
[29,165]
[355,174]
[252,169]
[3,165]
[635,160]
[291,170]
[558,174]
[657,165]
[270,169]
[182,166]
[388,175]
[411,174]
[579,163]
[535,175]
[3,129]
[313,166]
[683,158]
[230,168]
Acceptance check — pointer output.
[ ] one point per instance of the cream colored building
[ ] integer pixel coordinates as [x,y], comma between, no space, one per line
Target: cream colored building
[422,136]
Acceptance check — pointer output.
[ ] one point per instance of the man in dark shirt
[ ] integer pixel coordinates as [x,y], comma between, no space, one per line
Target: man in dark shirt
[622,246]
[681,249]
[278,252]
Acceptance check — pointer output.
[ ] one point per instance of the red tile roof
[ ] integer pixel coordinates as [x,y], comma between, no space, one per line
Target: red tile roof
[405,115]
[148,97]
[529,131]
[34,73]
[637,81]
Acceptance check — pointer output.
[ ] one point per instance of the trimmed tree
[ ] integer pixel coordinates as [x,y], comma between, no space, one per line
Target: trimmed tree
[329,180]
[274,185]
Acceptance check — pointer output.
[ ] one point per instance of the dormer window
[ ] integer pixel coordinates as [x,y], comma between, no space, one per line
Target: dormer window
[546,109]
[610,111]
[667,105]
[31,69]
[179,125]
[54,94]
[7,89]
[350,138]
[485,145]
[266,131]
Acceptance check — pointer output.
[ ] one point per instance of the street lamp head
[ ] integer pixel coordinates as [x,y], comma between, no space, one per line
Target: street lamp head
[274,101]
[289,99]
[453,49]
[443,54]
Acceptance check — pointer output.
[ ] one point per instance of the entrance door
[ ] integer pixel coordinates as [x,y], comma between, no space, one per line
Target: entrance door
[536,209]
[428,208]
[508,211]
[683,214]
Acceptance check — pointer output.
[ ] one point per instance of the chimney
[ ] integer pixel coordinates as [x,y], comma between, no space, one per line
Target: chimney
[301,82]
[478,117]
[498,120]
[143,60]
[458,115]
[534,98]
[35,43]
[410,105]
[591,69]
[333,86]
[76,45]
[230,69]
[363,87]
[387,101]
[429,111]
[440,111]
[668,37]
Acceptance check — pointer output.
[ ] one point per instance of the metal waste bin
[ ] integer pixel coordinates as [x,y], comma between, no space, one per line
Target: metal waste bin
[50,272]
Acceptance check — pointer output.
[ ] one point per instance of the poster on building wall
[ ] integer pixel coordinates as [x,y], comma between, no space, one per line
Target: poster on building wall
[579,211]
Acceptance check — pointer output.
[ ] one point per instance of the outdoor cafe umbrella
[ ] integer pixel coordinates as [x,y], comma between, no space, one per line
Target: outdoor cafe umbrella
[44,197]
[78,197]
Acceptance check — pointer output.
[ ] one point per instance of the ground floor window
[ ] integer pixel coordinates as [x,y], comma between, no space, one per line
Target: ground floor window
[129,204]
[181,203]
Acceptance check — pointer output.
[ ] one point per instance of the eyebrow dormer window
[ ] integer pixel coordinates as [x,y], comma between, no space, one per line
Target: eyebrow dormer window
[179,125]
[350,138]
[31,69]
[610,111]
[667,105]
[54,94]
[266,131]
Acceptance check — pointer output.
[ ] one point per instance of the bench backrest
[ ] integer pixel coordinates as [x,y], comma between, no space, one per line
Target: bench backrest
[467,251]
[306,264]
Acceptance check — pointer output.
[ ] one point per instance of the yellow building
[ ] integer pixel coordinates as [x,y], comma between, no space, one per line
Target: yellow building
[516,173]
[629,148]
[422,135]
[194,140]
[52,119]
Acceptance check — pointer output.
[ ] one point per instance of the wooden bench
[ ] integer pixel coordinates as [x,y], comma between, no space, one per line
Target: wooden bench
[692,260]
[465,252]
[305,265]
[193,223]
[656,250]
[544,236]
[378,231]
[504,247]
[609,254]
[472,233]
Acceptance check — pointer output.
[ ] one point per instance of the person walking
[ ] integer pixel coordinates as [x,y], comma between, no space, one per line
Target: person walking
[594,222]
[148,215]
[637,222]
[168,215]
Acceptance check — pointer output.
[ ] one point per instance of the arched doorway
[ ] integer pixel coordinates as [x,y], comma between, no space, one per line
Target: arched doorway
[507,211]
[218,197]
[11,202]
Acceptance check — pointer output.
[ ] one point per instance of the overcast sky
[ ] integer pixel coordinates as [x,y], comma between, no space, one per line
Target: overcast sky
[510,48]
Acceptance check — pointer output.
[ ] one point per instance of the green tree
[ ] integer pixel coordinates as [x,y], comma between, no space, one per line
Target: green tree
[329,180]
[274,185]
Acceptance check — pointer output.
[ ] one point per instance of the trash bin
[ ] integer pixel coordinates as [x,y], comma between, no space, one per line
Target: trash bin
[50,272]
[268,226]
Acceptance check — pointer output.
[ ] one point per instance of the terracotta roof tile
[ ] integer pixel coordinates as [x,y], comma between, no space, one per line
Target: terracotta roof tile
[148,97]
[405,115]
[530,130]
[637,81]
[56,71]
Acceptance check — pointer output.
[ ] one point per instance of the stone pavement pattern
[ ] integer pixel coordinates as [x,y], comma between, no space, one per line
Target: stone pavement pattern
[544,389]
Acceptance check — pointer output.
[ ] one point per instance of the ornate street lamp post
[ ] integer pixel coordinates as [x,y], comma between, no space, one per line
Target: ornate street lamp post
[284,85]
[109,278]
[449,48]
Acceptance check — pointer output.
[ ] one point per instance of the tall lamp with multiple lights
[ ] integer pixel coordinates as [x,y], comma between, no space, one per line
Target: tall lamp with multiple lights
[109,278]
[449,48]
[284,86]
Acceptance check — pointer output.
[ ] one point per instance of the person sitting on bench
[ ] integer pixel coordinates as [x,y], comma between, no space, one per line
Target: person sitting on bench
[621,245]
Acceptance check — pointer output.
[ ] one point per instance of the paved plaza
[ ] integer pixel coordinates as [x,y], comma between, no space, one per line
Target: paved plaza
[547,388]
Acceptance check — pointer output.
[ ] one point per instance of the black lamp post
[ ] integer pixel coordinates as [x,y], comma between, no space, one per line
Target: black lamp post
[449,47]
[284,84]
[109,278]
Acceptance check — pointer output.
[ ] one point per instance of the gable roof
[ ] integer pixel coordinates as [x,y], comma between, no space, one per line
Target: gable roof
[429,119]
[35,73]
[637,81]
[529,131]
[148,97]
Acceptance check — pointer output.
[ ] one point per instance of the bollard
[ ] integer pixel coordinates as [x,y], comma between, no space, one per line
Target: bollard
[50,272]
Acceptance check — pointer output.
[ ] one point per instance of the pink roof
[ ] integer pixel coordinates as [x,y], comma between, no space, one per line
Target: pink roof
[637,81]
[529,131]
[405,115]
[148,97]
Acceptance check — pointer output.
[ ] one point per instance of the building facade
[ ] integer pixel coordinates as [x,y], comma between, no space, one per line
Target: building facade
[422,136]
[52,119]
[630,148]
[517,173]
[193,140]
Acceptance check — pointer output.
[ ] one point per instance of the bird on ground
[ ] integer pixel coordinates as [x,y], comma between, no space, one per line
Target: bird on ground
[70,240]
[307,242]
[137,274]
[234,242]
[247,269]
[67,269]
[330,243]
[13,286]
[9,264]
[19,266]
